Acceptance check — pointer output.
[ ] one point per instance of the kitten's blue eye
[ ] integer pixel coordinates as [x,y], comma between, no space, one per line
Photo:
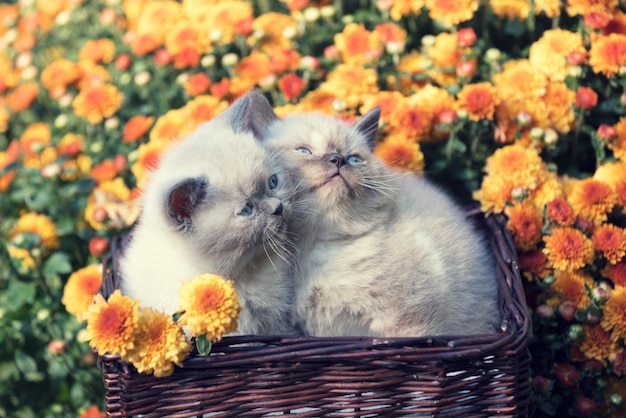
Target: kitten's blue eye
[247,210]
[304,150]
[354,159]
[272,182]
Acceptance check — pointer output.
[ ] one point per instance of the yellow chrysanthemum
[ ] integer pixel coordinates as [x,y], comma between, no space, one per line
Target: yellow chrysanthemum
[37,224]
[568,249]
[551,8]
[608,54]
[582,7]
[35,138]
[401,152]
[445,55]
[610,240]
[22,256]
[478,100]
[522,166]
[353,83]
[402,8]
[159,344]
[550,189]
[201,109]
[111,324]
[437,100]
[357,45]
[517,73]
[597,343]
[210,306]
[613,172]
[613,318]
[147,161]
[411,120]
[618,145]
[494,194]
[97,50]
[592,199]
[157,18]
[570,286]
[548,53]
[511,9]
[224,16]
[404,80]
[80,289]
[95,103]
[274,27]
[451,12]
[557,111]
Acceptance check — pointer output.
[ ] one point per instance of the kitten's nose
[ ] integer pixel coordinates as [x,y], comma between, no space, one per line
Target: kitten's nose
[279,209]
[336,159]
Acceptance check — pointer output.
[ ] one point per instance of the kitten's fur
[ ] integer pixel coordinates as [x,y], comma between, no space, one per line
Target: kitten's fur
[384,254]
[194,220]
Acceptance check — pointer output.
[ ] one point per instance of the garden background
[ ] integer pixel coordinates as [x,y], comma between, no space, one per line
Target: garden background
[517,104]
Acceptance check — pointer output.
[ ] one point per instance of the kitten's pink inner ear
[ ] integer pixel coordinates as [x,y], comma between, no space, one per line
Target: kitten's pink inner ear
[181,203]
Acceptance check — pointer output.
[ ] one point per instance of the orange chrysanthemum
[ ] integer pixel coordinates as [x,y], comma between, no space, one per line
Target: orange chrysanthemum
[582,7]
[618,145]
[98,102]
[547,54]
[253,67]
[225,15]
[111,323]
[517,73]
[592,199]
[551,8]
[40,225]
[570,286]
[357,45]
[610,240]
[550,189]
[35,138]
[200,109]
[291,85]
[80,289]
[97,50]
[386,100]
[597,343]
[524,223]
[136,128]
[533,265]
[22,96]
[157,18]
[608,54]
[445,55]
[560,212]
[557,108]
[511,9]
[169,126]
[409,68]
[411,121]
[616,273]
[390,33]
[8,157]
[620,192]
[183,36]
[400,152]
[401,8]
[478,100]
[71,144]
[523,167]
[568,249]
[147,161]
[612,172]
[59,74]
[91,74]
[159,344]
[613,318]
[451,12]
[494,194]
[210,306]
[352,83]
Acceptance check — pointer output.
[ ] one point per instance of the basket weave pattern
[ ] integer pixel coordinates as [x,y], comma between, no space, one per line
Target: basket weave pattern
[477,376]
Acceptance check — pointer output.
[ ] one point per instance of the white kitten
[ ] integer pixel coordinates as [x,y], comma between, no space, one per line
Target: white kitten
[384,253]
[218,203]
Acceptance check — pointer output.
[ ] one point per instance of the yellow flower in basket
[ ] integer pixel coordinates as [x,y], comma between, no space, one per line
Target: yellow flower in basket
[210,307]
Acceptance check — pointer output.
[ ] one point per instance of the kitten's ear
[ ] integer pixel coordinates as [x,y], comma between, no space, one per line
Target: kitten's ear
[183,199]
[367,125]
[252,113]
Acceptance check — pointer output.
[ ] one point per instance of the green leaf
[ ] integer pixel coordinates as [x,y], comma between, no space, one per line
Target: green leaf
[19,294]
[25,363]
[203,345]
[57,263]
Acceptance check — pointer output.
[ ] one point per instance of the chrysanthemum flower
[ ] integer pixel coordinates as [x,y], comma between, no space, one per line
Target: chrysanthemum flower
[557,110]
[277,28]
[524,223]
[440,103]
[386,100]
[613,318]
[98,50]
[511,9]
[157,18]
[291,85]
[616,273]
[225,15]
[353,83]
[111,324]
[478,100]
[70,144]
[597,343]
[551,8]
[533,265]
[8,157]
[159,344]
[608,54]
[22,96]
[610,240]
[390,33]
[411,120]
[210,306]
[570,286]
[401,8]
[517,73]
[168,127]
[80,290]
[445,55]
[35,138]
[410,66]
[568,249]
[521,166]
[560,212]
[550,189]
[401,152]
[547,53]
[38,224]
[182,36]
[98,102]
[620,192]
[451,12]
[357,45]
[582,7]
[592,199]
[136,127]
[494,194]
[618,145]
[59,74]
[196,111]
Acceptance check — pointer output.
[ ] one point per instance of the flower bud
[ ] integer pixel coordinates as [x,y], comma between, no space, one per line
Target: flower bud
[43,314]
[607,132]
[112,123]
[576,57]
[428,40]
[524,119]
[208,61]
[545,311]
[383,5]
[162,57]
[50,170]
[327,11]
[536,132]
[584,406]
[215,35]
[142,78]
[347,19]
[311,14]
[61,121]
[331,53]
[616,399]
[493,54]
[122,62]
[575,331]
[541,384]
[566,374]
[98,245]
[585,98]
[447,117]
[230,59]
[466,37]
[56,346]
[567,310]
[550,136]
[339,105]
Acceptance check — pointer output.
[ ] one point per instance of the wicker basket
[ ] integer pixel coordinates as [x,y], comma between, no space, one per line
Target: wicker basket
[470,376]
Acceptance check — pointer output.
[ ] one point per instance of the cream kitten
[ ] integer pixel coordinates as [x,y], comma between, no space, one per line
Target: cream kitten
[384,253]
[218,203]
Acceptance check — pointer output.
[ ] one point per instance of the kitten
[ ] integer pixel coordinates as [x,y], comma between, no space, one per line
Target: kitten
[218,203]
[384,254]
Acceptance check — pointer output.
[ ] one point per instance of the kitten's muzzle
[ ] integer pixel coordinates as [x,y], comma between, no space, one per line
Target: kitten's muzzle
[279,209]
[336,159]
